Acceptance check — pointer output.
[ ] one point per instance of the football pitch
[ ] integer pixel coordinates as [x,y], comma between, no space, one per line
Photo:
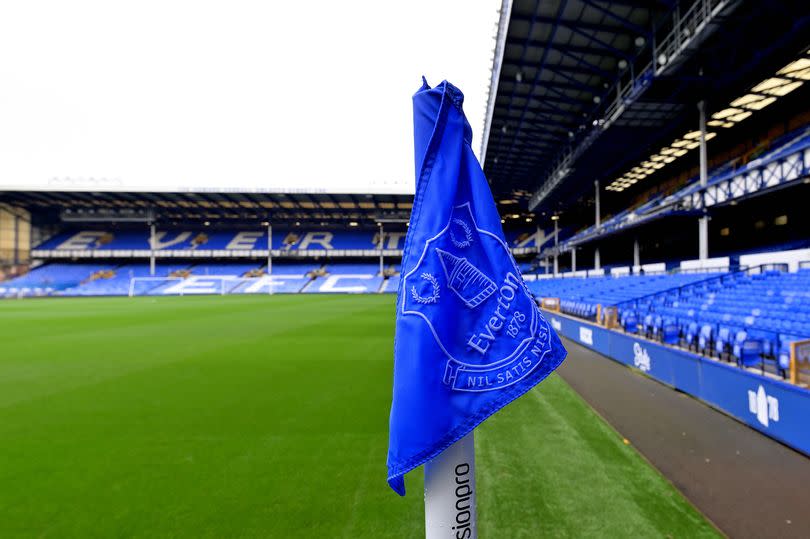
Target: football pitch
[267,416]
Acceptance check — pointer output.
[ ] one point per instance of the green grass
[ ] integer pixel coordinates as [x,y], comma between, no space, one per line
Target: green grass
[268,417]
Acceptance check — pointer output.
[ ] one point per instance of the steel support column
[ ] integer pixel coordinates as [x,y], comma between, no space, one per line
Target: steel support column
[703,222]
[381,248]
[17,239]
[537,241]
[151,249]
[269,249]
[597,201]
[556,245]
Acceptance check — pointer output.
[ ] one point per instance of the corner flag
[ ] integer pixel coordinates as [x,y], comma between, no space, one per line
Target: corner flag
[469,336]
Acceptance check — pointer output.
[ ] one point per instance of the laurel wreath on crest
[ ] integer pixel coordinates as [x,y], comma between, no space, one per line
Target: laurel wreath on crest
[467,232]
[433,298]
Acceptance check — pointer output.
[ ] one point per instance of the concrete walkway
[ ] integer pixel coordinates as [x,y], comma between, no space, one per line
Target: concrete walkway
[748,484]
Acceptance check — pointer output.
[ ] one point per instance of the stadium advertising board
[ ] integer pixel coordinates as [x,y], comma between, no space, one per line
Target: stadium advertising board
[773,407]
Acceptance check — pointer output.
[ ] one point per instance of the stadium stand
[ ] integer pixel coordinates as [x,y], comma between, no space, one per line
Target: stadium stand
[347,279]
[750,318]
[207,278]
[783,162]
[391,284]
[201,239]
[286,278]
[51,278]
[581,295]
[117,283]
[284,240]
[225,269]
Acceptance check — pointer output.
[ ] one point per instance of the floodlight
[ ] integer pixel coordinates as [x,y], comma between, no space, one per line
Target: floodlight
[725,113]
[799,69]
[785,88]
[740,117]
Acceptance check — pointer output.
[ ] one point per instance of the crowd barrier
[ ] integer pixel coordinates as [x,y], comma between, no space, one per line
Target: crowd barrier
[775,408]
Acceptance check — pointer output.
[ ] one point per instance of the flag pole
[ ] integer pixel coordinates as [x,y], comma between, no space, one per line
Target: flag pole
[450,492]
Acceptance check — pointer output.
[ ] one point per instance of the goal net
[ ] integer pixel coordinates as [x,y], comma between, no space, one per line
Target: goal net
[200,285]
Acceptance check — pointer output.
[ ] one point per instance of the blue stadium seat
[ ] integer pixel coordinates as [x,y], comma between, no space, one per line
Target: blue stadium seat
[706,338]
[783,355]
[721,343]
[670,331]
[746,351]
[629,321]
[691,335]
[648,325]
[658,326]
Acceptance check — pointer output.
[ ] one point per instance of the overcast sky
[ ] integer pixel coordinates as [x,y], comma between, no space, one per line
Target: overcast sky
[237,94]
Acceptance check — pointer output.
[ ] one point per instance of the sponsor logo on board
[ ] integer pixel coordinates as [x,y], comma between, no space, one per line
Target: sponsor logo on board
[641,359]
[765,407]
[586,335]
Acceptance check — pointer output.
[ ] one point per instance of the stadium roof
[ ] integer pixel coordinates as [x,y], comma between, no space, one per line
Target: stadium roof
[80,206]
[586,90]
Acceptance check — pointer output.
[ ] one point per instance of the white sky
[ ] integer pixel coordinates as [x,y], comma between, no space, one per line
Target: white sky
[240,94]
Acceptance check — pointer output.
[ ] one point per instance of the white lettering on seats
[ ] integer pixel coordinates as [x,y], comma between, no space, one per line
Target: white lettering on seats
[198,285]
[392,239]
[244,241]
[270,282]
[330,284]
[160,244]
[82,240]
[324,239]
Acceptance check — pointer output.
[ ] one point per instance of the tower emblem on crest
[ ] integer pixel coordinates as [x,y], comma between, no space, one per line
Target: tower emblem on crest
[467,281]
[486,327]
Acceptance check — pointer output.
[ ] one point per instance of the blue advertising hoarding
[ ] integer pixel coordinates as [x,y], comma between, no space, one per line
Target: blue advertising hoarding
[775,408]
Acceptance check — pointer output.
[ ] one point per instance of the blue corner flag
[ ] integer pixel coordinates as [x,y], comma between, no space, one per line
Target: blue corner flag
[469,337]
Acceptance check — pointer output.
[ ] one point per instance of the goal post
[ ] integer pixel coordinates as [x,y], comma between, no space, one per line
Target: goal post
[199,285]
[142,286]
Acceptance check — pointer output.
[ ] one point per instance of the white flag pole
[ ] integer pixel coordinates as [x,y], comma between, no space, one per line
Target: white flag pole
[450,492]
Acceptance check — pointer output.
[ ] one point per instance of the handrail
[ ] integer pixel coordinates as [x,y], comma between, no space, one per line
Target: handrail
[668,290]
[759,162]
[681,199]
[761,267]
[725,275]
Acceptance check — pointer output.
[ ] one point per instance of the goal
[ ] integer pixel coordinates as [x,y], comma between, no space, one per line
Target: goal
[199,285]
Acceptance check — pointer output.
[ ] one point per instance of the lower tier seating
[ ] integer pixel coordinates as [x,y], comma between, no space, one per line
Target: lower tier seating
[205,278]
[580,295]
[747,318]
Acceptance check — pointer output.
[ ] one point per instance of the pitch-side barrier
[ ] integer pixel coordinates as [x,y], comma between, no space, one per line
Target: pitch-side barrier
[773,407]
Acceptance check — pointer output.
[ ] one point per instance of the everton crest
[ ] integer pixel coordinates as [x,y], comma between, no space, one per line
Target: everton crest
[468,290]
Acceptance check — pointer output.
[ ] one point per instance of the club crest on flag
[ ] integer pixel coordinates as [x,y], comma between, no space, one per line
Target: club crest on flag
[468,290]
[469,337]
